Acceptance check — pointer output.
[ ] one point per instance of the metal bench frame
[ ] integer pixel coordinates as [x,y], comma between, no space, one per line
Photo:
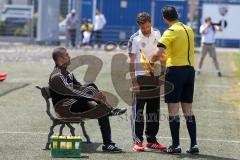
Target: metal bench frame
[56,121]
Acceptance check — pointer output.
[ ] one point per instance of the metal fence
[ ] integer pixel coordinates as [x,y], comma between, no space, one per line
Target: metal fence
[126,27]
[120,26]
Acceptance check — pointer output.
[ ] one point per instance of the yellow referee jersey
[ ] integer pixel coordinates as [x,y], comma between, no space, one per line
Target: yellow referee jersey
[179,42]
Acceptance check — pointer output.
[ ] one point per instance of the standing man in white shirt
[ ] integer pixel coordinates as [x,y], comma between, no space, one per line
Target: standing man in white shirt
[208,30]
[99,23]
[142,45]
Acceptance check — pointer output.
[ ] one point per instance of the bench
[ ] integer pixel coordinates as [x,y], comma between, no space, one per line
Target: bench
[56,120]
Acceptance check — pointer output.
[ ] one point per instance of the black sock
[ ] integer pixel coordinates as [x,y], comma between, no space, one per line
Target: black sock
[174,123]
[191,126]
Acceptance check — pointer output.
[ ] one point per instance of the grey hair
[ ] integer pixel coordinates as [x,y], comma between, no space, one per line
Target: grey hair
[58,52]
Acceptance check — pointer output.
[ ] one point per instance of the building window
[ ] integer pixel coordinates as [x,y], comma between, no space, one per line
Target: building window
[9,2]
[123,3]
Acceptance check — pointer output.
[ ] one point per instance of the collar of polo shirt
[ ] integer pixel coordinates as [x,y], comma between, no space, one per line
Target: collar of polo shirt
[141,34]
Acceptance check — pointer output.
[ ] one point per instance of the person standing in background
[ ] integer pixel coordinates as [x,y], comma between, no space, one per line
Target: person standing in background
[208,31]
[99,23]
[71,25]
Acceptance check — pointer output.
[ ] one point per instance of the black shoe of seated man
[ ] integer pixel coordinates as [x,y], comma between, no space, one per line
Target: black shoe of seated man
[193,150]
[173,150]
[118,111]
[111,148]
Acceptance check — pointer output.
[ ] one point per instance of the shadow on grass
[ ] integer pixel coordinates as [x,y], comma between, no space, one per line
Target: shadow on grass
[227,76]
[11,87]
[196,156]
[90,147]
[204,156]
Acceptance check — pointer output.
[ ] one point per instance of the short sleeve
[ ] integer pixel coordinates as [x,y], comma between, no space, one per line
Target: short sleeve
[132,46]
[158,34]
[202,28]
[167,38]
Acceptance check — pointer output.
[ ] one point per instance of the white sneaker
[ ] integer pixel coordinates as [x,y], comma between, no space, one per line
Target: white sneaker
[198,71]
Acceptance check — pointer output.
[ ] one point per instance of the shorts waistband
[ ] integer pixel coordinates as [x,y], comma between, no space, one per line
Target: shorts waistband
[209,44]
[187,66]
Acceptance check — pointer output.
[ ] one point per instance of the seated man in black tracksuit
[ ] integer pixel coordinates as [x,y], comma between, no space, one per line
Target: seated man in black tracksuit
[64,85]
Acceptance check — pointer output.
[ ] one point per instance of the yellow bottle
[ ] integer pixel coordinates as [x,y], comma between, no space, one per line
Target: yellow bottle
[69,145]
[54,143]
[62,145]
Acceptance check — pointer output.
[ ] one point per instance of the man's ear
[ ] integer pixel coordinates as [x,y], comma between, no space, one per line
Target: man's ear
[59,60]
[166,21]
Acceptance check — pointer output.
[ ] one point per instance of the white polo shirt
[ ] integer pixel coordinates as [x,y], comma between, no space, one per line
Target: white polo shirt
[207,34]
[148,45]
[99,22]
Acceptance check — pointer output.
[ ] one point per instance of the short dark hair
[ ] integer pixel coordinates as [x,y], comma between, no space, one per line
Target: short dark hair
[143,17]
[58,52]
[170,13]
[207,19]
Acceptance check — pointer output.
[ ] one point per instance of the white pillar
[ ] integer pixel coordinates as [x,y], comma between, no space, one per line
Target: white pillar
[69,5]
[78,7]
[48,14]
[153,4]
[94,10]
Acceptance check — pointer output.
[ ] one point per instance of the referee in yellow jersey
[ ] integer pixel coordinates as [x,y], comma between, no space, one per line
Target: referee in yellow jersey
[178,43]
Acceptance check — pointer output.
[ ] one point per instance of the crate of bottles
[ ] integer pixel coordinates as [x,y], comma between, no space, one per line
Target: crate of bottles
[66,146]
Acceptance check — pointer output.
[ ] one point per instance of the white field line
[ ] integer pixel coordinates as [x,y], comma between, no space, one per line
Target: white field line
[162,108]
[200,139]
[209,111]
[207,139]
[217,86]
[31,133]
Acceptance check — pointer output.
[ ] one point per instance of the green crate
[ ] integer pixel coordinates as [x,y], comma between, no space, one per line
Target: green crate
[66,146]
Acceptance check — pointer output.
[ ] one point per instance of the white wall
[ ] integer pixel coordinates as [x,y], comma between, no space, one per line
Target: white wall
[19,1]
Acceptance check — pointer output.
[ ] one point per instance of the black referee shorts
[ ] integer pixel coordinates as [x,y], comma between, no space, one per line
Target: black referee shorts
[182,78]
